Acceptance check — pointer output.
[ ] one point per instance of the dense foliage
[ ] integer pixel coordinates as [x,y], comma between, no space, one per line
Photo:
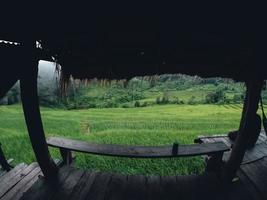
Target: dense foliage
[137,92]
[147,91]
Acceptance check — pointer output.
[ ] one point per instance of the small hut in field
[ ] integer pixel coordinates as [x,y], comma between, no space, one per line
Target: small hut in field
[123,47]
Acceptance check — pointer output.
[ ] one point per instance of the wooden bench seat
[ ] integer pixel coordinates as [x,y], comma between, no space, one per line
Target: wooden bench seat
[137,151]
[214,150]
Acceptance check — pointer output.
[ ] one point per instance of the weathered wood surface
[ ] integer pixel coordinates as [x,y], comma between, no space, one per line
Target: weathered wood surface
[257,152]
[137,151]
[18,180]
[257,176]
[106,186]
[252,174]
[79,184]
[26,183]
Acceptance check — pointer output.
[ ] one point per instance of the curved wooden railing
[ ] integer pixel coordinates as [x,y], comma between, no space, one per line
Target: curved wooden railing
[214,150]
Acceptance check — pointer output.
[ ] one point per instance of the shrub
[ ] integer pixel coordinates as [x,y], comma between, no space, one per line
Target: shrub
[192,100]
[215,97]
[158,100]
[165,100]
[137,104]
[237,98]
[127,105]
[145,104]
[176,100]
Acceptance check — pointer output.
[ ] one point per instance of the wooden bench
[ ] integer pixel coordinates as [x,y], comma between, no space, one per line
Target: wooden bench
[213,150]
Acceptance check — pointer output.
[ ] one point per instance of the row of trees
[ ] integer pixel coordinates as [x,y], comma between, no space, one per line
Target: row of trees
[138,92]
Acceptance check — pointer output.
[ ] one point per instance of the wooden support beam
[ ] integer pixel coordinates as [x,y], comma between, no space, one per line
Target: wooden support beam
[30,103]
[3,161]
[214,163]
[66,155]
[246,129]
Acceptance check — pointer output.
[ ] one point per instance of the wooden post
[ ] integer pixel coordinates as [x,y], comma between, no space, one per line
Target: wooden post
[66,155]
[214,163]
[250,108]
[3,161]
[30,103]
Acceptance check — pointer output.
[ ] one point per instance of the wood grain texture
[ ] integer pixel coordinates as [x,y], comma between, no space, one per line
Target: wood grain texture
[251,155]
[83,187]
[12,181]
[44,189]
[23,185]
[137,151]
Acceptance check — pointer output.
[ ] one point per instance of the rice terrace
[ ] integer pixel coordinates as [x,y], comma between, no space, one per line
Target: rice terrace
[149,125]
[155,125]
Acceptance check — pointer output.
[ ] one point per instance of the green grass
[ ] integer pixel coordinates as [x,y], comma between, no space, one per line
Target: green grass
[156,125]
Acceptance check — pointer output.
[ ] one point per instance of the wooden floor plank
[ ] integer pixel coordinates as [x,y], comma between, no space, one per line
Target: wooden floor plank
[69,184]
[106,186]
[2,172]
[10,183]
[17,191]
[12,173]
[255,173]
[28,186]
[117,187]
[262,137]
[235,190]
[136,187]
[185,186]
[170,188]
[263,148]
[154,188]
[44,189]
[205,186]
[83,187]
[254,192]
[99,187]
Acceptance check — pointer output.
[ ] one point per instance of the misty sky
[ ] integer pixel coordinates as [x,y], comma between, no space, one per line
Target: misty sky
[46,70]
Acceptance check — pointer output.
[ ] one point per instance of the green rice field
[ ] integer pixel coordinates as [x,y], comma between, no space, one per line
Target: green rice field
[155,125]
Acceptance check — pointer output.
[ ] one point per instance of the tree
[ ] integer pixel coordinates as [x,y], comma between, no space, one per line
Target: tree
[137,104]
[215,97]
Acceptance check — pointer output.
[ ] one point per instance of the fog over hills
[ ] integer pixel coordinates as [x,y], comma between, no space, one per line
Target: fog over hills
[47,85]
[47,71]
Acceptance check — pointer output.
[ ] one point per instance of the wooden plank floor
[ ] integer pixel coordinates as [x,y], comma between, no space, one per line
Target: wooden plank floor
[77,184]
[17,181]
[252,174]
[26,182]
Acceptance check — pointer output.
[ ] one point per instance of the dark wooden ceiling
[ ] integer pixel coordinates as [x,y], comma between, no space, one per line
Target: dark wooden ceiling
[126,46]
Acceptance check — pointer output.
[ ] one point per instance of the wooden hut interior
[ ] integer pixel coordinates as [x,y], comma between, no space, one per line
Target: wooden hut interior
[112,49]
